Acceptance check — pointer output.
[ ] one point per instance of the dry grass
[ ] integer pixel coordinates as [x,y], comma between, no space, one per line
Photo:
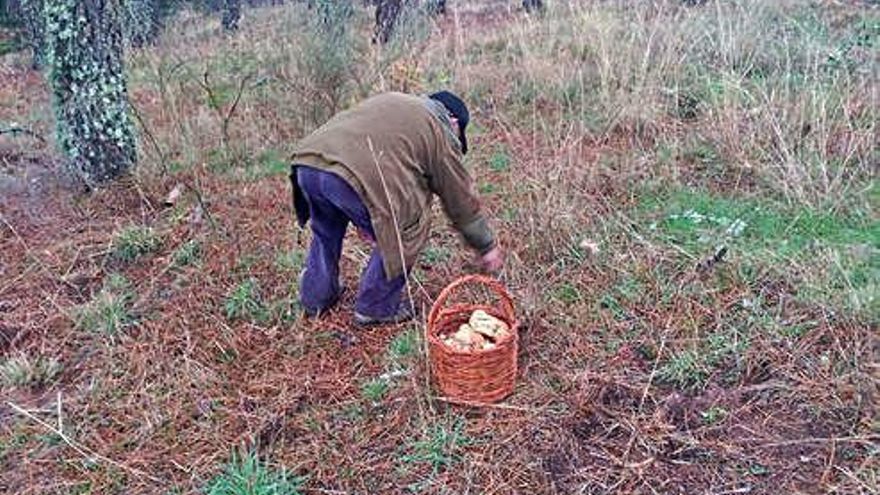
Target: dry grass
[616,143]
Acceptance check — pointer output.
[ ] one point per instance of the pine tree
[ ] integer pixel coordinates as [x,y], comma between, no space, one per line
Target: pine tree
[84,43]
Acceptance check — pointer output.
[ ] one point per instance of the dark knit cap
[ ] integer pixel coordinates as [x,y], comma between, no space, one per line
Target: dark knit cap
[459,110]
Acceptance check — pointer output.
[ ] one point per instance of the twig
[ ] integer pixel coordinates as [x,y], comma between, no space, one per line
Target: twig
[151,138]
[21,130]
[396,222]
[745,489]
[486,404]
[165,172]
[215,104]
[868,438]
[60,416]
[81,449]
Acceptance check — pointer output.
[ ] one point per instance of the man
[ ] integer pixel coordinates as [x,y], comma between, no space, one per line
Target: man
[378,166]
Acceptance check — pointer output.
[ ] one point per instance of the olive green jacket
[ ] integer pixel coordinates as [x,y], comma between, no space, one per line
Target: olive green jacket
[397,151]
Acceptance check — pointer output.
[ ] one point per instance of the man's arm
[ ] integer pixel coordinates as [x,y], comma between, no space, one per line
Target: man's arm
[452,183]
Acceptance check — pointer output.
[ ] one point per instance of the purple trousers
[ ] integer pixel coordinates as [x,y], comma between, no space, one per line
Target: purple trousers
[332,204]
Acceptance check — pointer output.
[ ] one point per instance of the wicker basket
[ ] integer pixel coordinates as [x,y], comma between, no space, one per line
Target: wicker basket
[472,376]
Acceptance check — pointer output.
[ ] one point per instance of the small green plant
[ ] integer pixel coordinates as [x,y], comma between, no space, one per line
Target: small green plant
[268,163]
[684,369]
[403,347]
[487,188]
[374,389]
[248,475]
[287,308]
[499,161]
[567,293]
[440,447]
[291,261]
[24,371]
[609,301]
[188,253]
[510,214]
[713,415]
[108,313]
[244,303]
[433,255]
[135,241]
[758,469]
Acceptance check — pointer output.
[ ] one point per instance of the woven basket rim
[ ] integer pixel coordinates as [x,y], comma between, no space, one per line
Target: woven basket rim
[504,310]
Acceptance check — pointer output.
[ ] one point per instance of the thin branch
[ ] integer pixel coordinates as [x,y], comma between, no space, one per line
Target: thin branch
[235,103]
[226,118]
[165,172]
[80,449]
[21,130]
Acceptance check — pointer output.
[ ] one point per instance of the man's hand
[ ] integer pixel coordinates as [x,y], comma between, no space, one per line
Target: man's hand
[493,261]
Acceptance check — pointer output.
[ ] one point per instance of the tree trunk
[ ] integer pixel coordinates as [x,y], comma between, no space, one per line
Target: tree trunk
[533,5]
[231,14]
[32,18]
[142,21]
[387,12]
[84,53]
[10,12]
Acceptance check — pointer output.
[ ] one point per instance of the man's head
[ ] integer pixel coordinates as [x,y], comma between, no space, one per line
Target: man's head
[458,114]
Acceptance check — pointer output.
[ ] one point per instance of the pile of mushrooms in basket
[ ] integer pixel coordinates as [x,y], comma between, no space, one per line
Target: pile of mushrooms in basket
[482,332]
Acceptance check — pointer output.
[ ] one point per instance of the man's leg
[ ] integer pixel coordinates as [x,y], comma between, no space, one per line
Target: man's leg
[319,286]
[378,297]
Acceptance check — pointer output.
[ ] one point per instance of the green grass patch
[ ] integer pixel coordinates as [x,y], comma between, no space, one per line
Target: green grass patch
[487,188]
[690,369]
[440,446]
[268,163]
[833,257]
[248,475]
[374,390]
[714,415]
[26,372]
[290,261]
[403,347]
[133,242]
[187,254]
[693,219]
[242,165]
[435,255]
[243,302]
[685,370]
[109,311]
[500,160]
[567,293]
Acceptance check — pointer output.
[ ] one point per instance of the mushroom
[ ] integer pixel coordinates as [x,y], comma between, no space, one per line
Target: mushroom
[467,337]
[489,325]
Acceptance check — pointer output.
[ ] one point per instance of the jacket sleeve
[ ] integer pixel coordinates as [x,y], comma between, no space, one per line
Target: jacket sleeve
[449,180]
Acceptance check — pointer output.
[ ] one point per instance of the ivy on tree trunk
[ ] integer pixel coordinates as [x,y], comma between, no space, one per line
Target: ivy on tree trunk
[85,57]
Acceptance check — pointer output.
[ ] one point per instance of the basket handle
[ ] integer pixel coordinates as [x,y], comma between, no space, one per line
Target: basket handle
[494,285]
